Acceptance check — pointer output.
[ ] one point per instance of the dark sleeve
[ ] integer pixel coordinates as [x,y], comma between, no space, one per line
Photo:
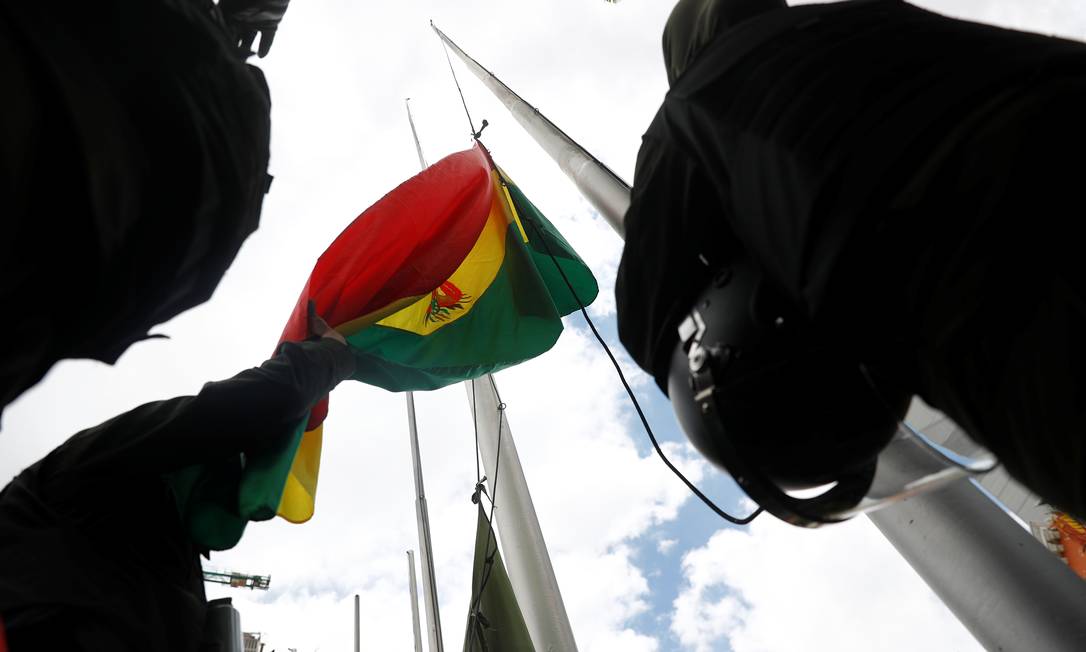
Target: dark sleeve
[247,413]
[675,237]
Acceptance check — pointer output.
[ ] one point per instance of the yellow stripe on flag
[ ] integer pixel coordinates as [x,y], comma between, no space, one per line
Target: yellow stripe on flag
[300,491]
[348,328]
[509,203]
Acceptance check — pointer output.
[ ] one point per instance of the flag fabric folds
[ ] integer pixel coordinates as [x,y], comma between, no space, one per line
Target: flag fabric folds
[495,621]
[391,256]
[447,277]
[501,306]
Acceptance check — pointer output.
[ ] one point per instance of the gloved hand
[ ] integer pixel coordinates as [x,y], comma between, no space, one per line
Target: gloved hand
[247,18]
[317,325]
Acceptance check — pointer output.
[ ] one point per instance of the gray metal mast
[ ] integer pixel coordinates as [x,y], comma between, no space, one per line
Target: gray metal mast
[600,186]
[357,624]
[429,579]
[414,601]
[1001,583]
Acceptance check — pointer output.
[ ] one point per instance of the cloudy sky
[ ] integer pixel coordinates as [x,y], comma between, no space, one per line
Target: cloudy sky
[641,566]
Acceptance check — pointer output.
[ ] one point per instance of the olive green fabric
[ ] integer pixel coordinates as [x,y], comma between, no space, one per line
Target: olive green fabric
[495,623]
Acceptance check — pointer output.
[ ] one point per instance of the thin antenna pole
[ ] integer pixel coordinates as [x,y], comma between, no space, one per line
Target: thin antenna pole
[414,134]
[958,540]
[604,189]
[414,601]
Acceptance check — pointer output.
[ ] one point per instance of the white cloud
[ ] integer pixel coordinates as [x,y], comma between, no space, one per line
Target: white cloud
[602,592]
[777,587]
[665,545]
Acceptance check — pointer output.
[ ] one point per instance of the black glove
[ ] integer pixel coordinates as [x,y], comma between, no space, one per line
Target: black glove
[247,18]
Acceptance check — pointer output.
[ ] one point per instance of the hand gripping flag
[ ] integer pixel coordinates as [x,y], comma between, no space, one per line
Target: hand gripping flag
[452,275]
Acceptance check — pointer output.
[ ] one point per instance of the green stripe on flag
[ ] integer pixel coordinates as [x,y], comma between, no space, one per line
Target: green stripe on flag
[578,274]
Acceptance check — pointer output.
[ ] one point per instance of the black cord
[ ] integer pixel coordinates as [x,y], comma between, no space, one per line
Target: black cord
[637,406]
[471,124]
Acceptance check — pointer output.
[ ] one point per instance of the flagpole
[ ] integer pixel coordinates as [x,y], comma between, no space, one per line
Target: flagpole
[527,561]
[429,581]
[1003,585]
[414,133]
[426,553]
[413,587]
[357,625]
[600,186]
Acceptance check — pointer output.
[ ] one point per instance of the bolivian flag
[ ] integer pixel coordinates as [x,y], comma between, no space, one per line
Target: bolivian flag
[452,275]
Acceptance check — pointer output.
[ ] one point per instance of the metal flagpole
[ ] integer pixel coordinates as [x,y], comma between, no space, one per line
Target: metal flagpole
[357,625]
[526,558]
[414,134]
[1001,583]
[429,580]
[429,583]
[599,185]
[414,601]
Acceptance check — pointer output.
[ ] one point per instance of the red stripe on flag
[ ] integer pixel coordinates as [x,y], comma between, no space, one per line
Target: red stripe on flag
[406,244]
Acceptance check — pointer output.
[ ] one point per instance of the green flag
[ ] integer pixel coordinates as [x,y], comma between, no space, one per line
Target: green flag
[495,623]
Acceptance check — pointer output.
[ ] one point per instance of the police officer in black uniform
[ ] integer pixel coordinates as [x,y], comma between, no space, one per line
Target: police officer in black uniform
[94,550]
[862,202]
[134,164]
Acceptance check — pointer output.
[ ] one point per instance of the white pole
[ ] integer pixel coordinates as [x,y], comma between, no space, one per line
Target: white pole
[357,625]
[1003,585]
[414,601]
[414,134]
[525,552]
[429,581]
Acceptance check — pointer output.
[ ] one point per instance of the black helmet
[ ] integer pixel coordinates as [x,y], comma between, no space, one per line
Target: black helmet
[779,409]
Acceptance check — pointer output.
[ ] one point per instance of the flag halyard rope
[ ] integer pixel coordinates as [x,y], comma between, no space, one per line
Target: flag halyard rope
[637,406]
[475,619]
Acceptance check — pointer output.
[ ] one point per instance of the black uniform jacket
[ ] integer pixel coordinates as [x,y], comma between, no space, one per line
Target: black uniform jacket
[93,555]
[812,137]
[133,166]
